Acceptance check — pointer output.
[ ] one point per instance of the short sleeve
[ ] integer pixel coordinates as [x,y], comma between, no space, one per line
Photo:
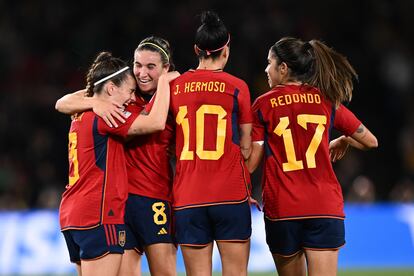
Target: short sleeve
[131,113]
[245,111]
[345,121]
[258,131]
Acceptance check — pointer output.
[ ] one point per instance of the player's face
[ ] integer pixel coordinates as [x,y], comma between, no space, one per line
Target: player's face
[148,68]
[126,92]
[273,71]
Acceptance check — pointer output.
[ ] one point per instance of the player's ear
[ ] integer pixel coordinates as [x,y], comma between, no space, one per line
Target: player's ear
[226,52]
[283,68]
[110,88]
[196,50]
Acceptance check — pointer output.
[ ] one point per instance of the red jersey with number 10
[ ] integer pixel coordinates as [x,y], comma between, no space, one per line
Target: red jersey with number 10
[208,107]
[98,184]
[295,123]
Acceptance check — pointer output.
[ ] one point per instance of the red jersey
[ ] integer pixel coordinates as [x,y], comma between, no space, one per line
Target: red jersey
[208,107]
[295,123]
[149,170]
[98,186]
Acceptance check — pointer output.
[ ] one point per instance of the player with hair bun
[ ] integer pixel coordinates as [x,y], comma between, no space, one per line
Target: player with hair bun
[211,188]
[148,208]
[93,206]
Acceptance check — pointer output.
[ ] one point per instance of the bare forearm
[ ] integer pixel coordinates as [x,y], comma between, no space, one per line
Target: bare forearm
[362,139]
[245,140]
[156,118]
[74,103]
[255,157]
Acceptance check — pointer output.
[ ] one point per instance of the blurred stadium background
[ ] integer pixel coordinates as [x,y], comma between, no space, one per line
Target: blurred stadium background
[45,50]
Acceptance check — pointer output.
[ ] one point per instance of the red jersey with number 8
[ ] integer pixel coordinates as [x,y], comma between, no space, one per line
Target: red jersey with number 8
[98,184]
[295,122]
[208,107]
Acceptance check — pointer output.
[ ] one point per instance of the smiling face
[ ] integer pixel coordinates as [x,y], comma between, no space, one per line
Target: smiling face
[125,93]
[148,67]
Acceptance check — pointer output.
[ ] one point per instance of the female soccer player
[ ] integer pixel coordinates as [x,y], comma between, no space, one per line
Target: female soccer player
[302,198]
[93,205]
[211,187]
[148,211]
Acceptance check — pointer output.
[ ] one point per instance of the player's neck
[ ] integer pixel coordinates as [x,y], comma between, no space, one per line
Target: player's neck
[291,83]
[210,64]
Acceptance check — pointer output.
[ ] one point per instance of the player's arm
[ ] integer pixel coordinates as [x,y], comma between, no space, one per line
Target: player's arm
[77,102]
[255,157]
[361,139]
[245,140]
[155,120]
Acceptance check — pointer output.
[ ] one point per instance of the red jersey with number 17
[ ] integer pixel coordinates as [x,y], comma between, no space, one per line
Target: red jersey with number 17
[98,184]
[208,107]
[295,124]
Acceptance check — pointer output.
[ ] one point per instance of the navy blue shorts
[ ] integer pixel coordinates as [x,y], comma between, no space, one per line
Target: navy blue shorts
[202,225]
[288,237]
[149,220]
[95,243]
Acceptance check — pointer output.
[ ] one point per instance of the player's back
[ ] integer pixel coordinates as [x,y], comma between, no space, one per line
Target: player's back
[208,107]
[299,180]
[97,188]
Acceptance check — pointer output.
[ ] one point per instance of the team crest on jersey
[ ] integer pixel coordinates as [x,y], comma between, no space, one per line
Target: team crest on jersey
[126,114]
[121,238]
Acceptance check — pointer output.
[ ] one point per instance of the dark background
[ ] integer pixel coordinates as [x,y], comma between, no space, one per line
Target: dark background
[47,46]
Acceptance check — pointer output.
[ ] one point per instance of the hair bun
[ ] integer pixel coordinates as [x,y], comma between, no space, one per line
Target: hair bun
[102,56]
[210,19]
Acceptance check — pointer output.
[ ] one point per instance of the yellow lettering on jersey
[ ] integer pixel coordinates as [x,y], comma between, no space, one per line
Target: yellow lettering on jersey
[273,102]
[186,87]
[177,89]
[203,86]
[295,98]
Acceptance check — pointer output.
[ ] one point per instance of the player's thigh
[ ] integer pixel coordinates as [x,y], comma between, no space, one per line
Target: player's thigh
[322,262]
[294,265]
[161,258]
[234,256]
[105,266]
[130,264]
[198,259]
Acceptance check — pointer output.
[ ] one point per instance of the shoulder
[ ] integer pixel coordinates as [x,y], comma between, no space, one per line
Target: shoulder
[237,82]
[267,95]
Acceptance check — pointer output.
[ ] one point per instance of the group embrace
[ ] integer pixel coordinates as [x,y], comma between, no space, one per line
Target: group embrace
[159,160]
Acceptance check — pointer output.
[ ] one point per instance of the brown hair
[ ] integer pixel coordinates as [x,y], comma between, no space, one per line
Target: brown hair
[159,45]
[104,65]
[318,65]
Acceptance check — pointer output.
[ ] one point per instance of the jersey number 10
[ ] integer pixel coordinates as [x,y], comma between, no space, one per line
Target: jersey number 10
[186,153]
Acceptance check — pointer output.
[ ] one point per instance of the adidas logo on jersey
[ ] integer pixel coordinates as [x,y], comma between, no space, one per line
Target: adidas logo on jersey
[162,231]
